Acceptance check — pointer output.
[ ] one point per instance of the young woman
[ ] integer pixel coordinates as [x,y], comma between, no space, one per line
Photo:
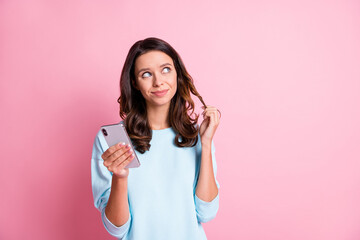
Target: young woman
[175,188]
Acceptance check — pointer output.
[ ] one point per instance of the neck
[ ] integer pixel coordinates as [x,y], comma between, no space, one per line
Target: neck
[158,117]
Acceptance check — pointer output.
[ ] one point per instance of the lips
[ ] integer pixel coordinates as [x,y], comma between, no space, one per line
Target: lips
[160,93]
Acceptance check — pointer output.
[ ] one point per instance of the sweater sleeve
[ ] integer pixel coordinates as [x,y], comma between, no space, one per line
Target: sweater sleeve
[207,211]
[101,186]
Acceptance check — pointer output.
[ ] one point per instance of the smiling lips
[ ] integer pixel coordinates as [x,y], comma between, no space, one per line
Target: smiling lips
[160,93]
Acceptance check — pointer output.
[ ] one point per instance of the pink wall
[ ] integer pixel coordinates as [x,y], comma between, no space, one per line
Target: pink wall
[285,75]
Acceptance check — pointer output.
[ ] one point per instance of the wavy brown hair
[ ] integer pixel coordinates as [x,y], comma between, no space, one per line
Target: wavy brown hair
[133,106]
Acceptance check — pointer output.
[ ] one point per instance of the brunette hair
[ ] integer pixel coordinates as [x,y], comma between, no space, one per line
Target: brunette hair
[133,106]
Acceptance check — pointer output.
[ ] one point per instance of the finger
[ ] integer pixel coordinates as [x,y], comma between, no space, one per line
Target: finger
[209,112]
[127,161]
[217,117]
[212,119]
[203,114]
[112,149]
[121,158]
[124,159]
[212,115]
[206,119]
[115,155]
[206,114]
[209,108]
[206,111]
[205,122]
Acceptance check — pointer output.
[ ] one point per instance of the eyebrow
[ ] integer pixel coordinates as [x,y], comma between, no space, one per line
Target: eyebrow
[162,65]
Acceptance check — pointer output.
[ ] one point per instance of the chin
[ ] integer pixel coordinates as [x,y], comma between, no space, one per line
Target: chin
[161,103]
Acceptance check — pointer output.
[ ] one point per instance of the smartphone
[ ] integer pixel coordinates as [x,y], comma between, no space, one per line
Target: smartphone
[115,133]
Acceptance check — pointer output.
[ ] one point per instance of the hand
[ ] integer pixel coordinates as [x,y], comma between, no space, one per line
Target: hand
[209,124]
[116,158]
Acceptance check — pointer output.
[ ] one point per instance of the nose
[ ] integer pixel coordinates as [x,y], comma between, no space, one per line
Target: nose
[157,80]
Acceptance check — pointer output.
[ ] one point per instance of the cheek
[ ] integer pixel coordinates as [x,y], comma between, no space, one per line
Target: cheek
[143,85]
[174,81]
[175,85]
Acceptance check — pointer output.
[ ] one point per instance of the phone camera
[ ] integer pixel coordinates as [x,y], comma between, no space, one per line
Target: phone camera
[104,132]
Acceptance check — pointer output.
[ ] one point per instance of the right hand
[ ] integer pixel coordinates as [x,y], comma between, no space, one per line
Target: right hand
[116,158]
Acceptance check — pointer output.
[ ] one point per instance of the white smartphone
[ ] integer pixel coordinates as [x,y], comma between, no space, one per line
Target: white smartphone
[115,133]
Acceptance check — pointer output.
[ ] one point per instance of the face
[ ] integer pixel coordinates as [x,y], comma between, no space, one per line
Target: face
[155,78]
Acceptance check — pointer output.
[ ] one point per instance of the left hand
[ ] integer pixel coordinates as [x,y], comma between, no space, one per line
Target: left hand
[210,123]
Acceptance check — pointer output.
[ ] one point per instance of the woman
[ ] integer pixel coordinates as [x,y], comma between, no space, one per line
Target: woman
[175,188]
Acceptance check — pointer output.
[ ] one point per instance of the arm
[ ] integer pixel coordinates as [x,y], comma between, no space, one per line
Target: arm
[207,193]
[107,191]
[206,188]
[117,208]
[207,208]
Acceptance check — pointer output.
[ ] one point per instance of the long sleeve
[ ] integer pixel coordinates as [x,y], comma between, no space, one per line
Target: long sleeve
[207,211]
[101,187]
[161,192]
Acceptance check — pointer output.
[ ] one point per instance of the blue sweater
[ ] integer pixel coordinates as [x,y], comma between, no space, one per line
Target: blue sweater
[161,192]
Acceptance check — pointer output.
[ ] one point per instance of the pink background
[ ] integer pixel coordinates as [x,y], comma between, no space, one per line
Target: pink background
[285,75]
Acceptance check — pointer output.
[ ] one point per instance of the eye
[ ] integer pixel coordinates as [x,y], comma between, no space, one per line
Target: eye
[166,69]
[146,74]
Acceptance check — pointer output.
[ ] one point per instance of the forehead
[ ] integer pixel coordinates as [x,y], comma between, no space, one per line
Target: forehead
[152,59]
